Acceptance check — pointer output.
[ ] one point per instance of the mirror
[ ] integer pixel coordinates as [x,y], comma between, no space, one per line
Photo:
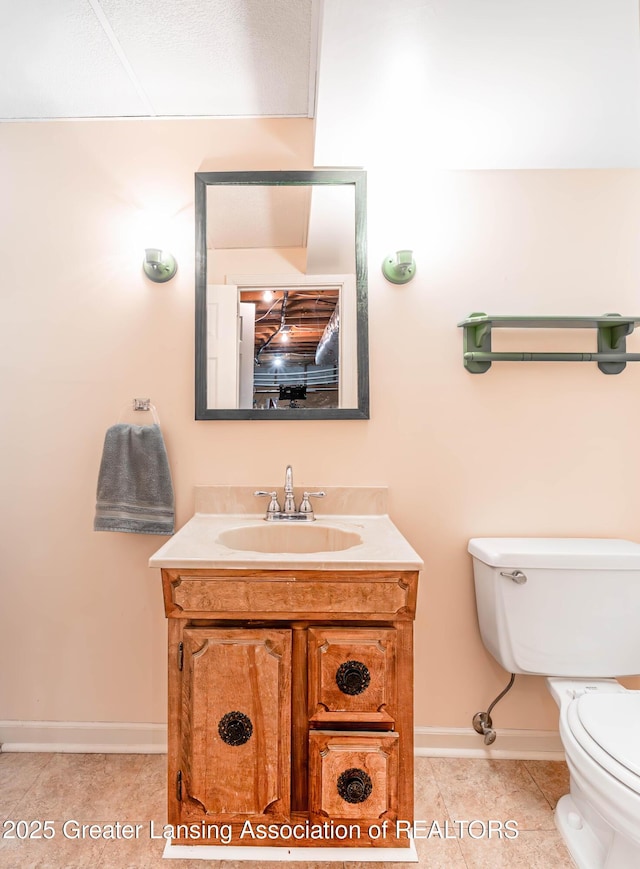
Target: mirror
[281,295]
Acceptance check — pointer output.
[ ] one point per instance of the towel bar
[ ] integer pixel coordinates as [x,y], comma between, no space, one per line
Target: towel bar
[611,355]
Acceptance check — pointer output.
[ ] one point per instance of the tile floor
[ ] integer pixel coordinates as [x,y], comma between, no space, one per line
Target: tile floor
[105,788]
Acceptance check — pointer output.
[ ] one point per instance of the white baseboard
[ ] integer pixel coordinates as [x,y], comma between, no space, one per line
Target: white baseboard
[105,737]
[101,737]
[509,744]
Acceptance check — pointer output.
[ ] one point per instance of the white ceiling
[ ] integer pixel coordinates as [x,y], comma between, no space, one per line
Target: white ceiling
[157,58]
[477,84]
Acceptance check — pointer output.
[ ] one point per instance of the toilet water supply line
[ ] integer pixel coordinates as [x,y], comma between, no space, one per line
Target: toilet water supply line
[482,722]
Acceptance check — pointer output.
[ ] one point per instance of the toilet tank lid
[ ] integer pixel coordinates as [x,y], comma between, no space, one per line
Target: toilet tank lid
[580,553]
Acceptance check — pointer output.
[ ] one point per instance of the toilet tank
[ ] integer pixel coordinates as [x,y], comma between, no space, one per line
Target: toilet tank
[575,611]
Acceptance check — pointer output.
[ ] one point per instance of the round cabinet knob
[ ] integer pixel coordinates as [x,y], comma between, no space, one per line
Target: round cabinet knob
[354,785]
[352,677]
[235,728]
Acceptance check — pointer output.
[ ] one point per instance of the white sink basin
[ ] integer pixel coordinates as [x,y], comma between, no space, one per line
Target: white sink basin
[289,537]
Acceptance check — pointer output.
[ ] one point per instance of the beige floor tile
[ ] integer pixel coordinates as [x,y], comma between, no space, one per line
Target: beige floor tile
[146,803]
[428,804]
[192,864]
[271,864]
[440,853]
[351,864]
[145,853]
[101,789]
[121,855]
[497,790]
[552,777]
[90,788]
[436,853]
[146,798]
[531,850]
[56,853]
[18,772]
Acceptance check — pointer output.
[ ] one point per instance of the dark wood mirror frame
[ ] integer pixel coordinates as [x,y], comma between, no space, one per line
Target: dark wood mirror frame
[356,178]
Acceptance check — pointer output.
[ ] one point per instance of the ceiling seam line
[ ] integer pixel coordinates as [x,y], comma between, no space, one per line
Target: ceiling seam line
[122,57]
[317,16]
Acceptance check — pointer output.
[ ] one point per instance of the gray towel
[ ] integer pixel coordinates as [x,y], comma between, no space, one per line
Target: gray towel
[134,484]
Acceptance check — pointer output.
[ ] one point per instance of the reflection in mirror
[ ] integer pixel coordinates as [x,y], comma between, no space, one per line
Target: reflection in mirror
[281,313]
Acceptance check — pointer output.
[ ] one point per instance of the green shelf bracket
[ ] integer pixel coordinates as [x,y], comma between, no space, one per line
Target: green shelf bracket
[611,340]
[611,355]
[476,338]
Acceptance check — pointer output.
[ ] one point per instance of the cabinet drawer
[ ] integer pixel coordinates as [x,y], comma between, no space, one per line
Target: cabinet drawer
[288,594]
[236,723]
[353,776]
[352,675]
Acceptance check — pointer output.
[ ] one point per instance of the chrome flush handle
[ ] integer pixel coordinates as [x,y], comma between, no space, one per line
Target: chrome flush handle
[516,576]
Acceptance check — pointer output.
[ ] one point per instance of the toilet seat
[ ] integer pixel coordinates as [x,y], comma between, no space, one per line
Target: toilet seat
[607,727]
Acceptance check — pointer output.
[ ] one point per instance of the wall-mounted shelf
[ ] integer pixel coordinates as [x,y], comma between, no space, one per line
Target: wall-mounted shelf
[612,330]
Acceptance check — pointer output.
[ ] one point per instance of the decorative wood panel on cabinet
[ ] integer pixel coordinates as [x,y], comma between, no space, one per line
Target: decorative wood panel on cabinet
[236,723]
[353,776]
[352,675]
[287,594]
[289,717]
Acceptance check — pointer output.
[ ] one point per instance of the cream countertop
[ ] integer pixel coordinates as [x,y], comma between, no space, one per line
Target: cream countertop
[196,546]
[222,508]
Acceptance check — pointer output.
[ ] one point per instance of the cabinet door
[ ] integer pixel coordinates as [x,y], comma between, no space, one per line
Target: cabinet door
[353,776]
[236,723]
[352,675]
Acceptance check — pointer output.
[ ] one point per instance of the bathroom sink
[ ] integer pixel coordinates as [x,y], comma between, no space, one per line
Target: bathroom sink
[289,537]
[227,533]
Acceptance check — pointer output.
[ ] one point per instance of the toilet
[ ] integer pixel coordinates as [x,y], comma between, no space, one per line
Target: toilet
[569,609]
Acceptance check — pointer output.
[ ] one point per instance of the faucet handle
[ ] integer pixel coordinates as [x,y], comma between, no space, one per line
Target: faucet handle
[273,507]
[305,504]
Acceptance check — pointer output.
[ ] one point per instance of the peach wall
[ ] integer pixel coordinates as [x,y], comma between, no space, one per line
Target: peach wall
[524,449]
[83,333]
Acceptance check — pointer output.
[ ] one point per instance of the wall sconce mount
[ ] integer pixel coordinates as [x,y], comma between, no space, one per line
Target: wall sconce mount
[400,267]
[159,266]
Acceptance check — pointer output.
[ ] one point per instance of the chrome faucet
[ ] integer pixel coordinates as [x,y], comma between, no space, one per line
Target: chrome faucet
[289,513]
[289,502]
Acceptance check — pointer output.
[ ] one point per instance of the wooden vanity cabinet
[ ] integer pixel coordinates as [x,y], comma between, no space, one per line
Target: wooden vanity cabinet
[290,705]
